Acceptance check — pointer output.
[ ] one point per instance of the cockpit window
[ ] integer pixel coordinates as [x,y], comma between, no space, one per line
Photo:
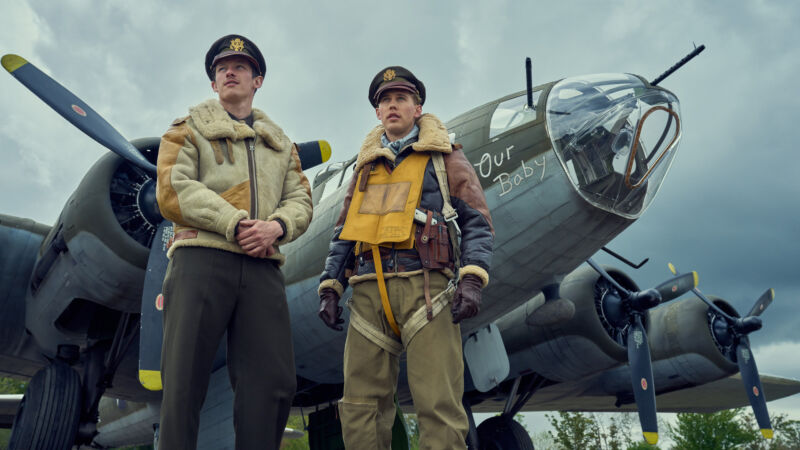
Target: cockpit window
[615,136]
[333,177]
[327,172]
[512,114]
[348,173]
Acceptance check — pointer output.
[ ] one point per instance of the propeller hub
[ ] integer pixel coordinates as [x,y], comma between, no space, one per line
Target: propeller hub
[613,309]
[721,331]
[146,200]
[644,300]
[747,325]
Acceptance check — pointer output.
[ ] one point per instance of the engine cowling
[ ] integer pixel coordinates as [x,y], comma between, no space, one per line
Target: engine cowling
[571,350]
[92,263]
[685,344]
[684,348]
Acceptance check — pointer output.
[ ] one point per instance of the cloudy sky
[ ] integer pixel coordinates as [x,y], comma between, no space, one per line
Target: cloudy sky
[727,208]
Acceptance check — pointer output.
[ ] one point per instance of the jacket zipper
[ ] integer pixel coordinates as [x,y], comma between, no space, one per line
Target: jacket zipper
[251,164]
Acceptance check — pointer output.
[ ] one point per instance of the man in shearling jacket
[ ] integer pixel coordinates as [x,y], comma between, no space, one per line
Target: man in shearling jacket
[392,244]
[231,182]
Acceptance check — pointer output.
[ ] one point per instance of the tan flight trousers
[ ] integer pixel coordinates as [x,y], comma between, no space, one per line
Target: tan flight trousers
[207,292]
[435,371]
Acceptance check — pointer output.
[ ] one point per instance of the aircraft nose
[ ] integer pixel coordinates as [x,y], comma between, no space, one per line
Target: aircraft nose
[616,136]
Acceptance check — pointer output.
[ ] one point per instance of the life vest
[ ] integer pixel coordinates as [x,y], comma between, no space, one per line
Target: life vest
[382,214]
[382,208]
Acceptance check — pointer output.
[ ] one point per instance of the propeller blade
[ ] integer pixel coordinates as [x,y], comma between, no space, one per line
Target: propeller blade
[705,299]
[752,384]
[313,153]
[605,275]
[762,302]
[74,110]
[672,268]
[151,328]
[642,380]
[744,357]
[677,286]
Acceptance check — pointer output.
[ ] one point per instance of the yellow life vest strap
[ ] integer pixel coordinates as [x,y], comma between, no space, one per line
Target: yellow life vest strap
[363,247]
[387,308]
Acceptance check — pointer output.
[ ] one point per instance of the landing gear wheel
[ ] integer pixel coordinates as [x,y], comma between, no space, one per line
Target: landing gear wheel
[48,415]
[503,433]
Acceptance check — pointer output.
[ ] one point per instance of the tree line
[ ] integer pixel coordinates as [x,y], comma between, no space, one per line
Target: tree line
[722,430]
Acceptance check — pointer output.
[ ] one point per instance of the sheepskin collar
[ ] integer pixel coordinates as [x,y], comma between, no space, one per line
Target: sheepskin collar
[433,137]
[213,122]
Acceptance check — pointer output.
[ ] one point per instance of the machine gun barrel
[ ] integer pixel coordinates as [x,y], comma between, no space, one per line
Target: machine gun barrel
[678,65]
[528,80]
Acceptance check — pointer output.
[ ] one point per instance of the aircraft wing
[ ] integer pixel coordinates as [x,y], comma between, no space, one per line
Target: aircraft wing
[718,395]
[724,394]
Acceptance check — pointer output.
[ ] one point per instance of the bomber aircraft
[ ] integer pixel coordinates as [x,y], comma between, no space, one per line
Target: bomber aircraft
[566,166]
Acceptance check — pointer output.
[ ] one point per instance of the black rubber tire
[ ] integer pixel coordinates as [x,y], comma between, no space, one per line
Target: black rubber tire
[503,433]
[48,416]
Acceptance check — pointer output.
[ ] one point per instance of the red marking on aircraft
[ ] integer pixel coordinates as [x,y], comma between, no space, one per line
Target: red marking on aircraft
[78,110]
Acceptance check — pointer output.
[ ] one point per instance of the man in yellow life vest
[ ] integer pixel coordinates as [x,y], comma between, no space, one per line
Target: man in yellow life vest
[396,242]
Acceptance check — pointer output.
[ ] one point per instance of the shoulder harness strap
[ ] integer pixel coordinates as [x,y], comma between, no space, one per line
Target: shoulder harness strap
[449,213]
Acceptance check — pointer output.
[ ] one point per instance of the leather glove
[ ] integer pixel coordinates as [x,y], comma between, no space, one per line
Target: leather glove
[467,299]
[329,310]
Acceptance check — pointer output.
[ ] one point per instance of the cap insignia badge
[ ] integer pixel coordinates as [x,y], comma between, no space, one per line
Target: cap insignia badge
[388,75]
[237,45]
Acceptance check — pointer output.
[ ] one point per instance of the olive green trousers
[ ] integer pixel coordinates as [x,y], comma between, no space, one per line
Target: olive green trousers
[434,363]
[206,293]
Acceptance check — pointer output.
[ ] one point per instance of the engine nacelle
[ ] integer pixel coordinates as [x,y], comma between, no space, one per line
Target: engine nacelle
[683,345]
[92,263]
[683,349]
[570,350]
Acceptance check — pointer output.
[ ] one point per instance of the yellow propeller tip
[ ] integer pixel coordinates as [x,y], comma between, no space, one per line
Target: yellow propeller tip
[13,62]
[696,278]
[672,269]
[150,379]
[325,150]
[651,437]
[772,294]
[766,432]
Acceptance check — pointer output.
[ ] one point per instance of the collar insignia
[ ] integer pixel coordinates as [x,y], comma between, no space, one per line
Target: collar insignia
[388,75]
[237,44]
